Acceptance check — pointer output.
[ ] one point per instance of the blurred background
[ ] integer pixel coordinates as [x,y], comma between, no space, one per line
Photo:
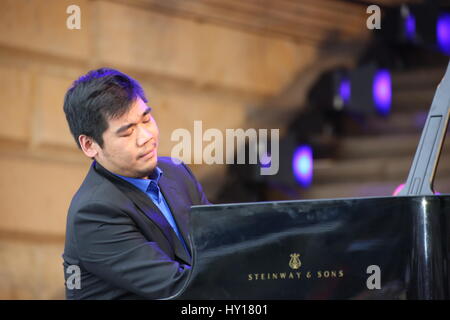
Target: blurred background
[350,102]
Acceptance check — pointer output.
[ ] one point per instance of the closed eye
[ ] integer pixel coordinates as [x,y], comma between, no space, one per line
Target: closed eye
[128,133]
[127,130]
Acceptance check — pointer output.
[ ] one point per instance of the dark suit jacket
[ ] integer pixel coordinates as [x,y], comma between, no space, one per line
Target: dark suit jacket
[120,240]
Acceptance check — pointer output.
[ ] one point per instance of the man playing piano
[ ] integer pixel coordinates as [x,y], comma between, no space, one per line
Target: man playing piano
[127,225]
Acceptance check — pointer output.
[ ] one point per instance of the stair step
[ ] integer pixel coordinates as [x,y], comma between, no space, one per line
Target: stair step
[375,147]
[413,100]
[366,170]
[416,79]
[396,123]
[362,170]
[347,190]
[354,190]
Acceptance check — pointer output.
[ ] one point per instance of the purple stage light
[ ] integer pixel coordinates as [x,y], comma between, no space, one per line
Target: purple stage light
[382,91]
[410,27]
[398,189]
[345,90]
[443,32]
[302,165]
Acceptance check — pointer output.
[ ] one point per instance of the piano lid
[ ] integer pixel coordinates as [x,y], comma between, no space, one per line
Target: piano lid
[362,248]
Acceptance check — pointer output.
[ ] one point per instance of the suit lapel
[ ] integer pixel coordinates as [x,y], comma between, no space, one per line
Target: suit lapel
[152,211]
[149,209]
[178,209]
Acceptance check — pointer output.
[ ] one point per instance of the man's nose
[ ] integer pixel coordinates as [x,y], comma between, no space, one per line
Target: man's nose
[144,134]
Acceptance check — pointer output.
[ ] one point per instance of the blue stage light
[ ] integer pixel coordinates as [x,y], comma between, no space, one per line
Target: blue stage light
[302,165]
[345,90]
[382,91]
[443,33]
[410,27]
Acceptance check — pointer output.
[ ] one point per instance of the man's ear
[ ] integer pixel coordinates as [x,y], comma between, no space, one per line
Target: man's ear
[88,145]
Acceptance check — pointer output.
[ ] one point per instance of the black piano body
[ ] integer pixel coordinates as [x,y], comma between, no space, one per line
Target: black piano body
[367,248]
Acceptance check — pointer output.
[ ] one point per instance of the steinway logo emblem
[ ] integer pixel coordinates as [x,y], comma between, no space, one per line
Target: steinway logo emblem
[295,262]
[296,274]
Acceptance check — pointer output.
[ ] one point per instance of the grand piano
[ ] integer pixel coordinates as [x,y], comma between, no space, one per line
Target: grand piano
[393,247]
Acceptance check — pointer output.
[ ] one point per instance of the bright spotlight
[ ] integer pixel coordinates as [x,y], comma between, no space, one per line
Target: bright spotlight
[382,91]
[443,33]
[302,165]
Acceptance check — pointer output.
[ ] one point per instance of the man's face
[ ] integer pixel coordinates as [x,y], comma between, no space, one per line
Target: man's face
[130,143]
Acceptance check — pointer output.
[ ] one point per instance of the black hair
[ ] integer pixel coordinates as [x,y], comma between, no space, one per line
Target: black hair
[96,97]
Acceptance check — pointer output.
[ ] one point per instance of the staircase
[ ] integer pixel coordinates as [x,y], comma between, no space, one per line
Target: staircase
[375,160]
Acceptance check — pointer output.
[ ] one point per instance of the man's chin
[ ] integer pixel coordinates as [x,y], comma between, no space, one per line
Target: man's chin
[149,168]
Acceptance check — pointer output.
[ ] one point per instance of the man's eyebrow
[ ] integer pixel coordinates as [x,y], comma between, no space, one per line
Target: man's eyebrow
[124,128]
[129,125]
[147,111]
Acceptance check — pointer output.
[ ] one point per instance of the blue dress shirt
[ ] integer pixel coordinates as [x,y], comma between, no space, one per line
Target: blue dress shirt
[151,189]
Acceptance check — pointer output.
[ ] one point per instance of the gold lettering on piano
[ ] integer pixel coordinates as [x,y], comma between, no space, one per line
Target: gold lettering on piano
[295,263]
[330,274]
[274,276]
[318,274]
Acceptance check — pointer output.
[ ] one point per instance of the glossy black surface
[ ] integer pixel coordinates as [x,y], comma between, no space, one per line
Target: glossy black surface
[242,251]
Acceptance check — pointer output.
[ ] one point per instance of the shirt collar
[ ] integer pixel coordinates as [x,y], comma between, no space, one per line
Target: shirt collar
[143,184]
